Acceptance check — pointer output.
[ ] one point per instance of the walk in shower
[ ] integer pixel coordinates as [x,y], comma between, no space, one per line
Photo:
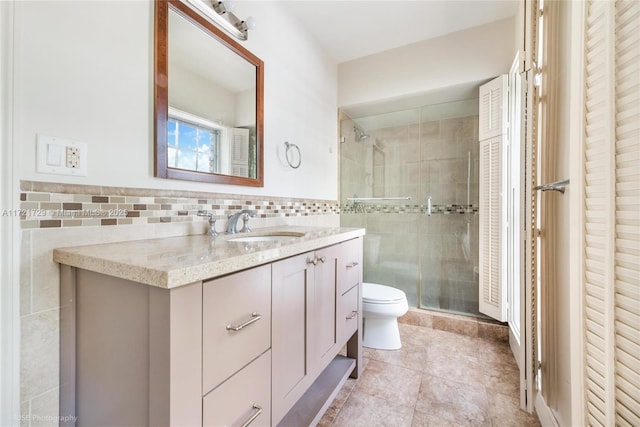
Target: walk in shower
[410,178]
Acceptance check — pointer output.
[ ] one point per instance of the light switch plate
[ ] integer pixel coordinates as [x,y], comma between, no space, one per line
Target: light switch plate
[61,156]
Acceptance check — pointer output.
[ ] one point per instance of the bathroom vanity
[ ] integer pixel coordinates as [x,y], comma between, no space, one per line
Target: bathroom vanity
[195,330]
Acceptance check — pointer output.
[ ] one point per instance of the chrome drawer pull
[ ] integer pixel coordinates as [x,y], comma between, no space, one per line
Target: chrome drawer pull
[353,264]
[258,410]
[254,318]
[353,314]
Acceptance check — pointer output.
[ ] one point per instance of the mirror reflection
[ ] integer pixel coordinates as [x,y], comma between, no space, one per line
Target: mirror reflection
[212,103]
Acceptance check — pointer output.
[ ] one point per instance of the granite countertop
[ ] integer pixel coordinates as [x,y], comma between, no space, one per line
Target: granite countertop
[176,261]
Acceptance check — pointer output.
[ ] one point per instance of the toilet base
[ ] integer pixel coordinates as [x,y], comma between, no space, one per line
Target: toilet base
[381,333]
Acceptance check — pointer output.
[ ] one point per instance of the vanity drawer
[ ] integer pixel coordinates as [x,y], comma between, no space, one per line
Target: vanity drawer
[241,397]
[349,265]
[348,313]
[241,301]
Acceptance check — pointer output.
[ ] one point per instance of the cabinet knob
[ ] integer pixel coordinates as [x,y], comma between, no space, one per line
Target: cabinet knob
[353,264]
[313,261]
[323,259]
[353,314]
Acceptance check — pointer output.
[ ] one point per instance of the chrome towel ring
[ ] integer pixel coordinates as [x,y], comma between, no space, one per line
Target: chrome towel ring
[288,145]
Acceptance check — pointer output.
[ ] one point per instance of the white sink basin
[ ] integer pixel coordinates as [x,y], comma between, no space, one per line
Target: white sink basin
[272,237]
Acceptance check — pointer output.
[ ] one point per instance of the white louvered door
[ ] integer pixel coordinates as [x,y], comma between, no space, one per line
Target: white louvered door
[611,204]
[491,115]
[239,161]
[493,204]
[492,298]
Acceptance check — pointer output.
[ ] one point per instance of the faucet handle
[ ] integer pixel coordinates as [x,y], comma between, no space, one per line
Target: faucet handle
[212,222]
[245,222]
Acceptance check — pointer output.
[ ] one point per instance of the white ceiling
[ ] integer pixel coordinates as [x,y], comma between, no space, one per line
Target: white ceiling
[352,29]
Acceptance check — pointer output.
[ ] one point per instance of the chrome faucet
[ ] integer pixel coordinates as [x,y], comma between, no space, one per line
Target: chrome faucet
[232,224]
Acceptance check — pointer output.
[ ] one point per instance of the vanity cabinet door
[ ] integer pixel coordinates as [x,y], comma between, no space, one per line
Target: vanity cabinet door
[292,290]
[322,309]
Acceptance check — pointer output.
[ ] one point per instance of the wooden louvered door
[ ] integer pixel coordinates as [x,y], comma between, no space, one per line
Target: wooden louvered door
[611,211]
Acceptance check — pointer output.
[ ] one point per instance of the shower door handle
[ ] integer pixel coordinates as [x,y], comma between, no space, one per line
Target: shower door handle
[429,206]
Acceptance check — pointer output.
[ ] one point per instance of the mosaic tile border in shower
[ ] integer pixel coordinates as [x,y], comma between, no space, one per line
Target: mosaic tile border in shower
[355,208]
[51,205]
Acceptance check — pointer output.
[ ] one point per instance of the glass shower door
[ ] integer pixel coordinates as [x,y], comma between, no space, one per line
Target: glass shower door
[379,188]
[410,178]
[449,223]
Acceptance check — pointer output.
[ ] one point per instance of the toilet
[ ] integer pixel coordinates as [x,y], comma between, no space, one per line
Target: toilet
[381,307]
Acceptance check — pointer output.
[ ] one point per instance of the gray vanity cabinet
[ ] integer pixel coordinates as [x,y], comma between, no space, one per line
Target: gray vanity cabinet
[250,346]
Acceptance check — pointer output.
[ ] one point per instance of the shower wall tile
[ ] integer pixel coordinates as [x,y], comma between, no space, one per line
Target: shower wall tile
[429,130]
[354,220]
[414,133]
[436,149]
[456,128]
[395,135]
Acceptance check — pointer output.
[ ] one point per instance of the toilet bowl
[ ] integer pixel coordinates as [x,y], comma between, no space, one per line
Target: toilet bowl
[381,307]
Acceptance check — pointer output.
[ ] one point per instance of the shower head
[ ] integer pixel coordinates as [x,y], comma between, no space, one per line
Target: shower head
[360,135]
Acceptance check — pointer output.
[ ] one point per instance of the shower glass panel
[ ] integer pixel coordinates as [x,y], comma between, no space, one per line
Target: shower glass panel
[449,230]
[411,179]
[379,190]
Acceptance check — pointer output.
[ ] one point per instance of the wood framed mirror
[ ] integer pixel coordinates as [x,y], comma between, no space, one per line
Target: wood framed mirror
[208,101]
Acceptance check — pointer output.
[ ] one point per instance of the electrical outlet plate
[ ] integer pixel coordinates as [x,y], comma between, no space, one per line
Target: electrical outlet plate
[73,157]
[61,156]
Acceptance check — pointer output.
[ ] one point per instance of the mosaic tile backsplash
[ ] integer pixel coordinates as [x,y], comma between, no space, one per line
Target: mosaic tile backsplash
[79,206]
[409,209]
[44,205]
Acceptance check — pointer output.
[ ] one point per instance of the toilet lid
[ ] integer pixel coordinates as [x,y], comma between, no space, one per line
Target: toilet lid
[374,293]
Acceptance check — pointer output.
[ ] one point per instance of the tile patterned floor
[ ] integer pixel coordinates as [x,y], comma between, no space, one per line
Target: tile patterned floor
[437,379]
